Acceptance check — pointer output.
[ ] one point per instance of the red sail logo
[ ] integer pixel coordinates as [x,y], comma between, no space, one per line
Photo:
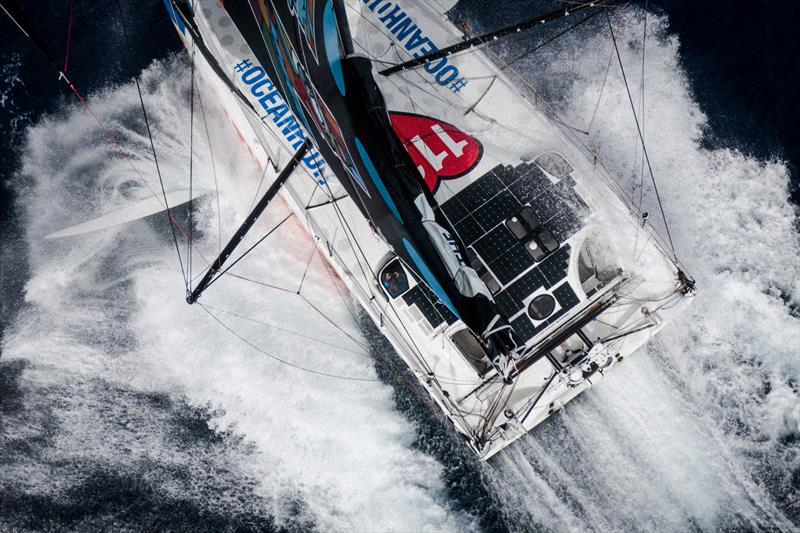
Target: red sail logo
[440,150]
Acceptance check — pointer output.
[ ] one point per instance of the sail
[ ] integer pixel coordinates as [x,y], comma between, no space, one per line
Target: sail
[304,54]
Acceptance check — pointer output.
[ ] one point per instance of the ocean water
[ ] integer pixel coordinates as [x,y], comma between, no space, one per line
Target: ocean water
[123,408]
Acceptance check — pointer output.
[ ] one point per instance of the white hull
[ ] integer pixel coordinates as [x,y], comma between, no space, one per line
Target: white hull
[487,412]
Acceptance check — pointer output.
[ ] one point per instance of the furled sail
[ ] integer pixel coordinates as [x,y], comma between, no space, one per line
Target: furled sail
[304,53]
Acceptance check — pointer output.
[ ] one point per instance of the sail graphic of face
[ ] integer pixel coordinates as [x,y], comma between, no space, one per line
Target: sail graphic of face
[439,150]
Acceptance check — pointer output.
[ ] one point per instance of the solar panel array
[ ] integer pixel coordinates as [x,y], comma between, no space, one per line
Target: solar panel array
[478,214]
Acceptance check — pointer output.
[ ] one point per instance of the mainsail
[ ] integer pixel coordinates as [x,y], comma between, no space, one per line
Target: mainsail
[304,53]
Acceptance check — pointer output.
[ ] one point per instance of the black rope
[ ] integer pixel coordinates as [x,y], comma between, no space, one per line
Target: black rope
[191,173]
[641,138]
[155,156]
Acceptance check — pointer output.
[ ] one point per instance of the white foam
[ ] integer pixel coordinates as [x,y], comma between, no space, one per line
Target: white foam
[339,448]
[685,434]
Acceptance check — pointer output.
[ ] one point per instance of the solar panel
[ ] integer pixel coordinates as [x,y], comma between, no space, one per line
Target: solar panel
[417,297]
[469,230]
[479,212]
[566,298]
[527,285]
[525,329]
[494,244]
[555,266]
[478,192]
[496,210]
[506,303]
[511,264]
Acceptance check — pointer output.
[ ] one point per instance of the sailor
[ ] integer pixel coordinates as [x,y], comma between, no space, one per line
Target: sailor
[395,282]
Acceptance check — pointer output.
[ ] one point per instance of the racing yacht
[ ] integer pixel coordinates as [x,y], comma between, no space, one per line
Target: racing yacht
[481,234]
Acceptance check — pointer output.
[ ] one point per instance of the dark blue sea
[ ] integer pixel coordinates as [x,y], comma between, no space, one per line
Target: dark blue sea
[120,410]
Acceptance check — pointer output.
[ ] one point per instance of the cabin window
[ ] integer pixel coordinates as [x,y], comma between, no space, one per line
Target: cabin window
[542,307]
[394,279]
[472,350]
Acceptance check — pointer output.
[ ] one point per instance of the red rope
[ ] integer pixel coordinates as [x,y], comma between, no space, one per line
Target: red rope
[69,34]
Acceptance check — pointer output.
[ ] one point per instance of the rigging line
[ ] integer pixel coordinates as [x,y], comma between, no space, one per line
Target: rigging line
[641,137]
[331,321]
[339,291]
[346,227]
[17,16]
[280,360]
[308,265]
[191,173]
[480,40]
[291,332]
[641,112]
[311,197]
[602,89]
[258,189]
[213,169]
[262,283]
[550,40]
[325,317]
[259,241]
[69,34]
[172,220]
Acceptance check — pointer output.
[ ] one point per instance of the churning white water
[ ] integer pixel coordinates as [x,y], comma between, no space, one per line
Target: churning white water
[699,430]
[110,306]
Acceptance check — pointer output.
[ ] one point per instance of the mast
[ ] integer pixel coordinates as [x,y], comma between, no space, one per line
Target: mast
[262,204]
[486,37]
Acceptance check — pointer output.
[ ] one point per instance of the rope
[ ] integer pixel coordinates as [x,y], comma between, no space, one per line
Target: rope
[363,350]
[191,169]
[641,111]
[308,265]
[213,170]
[69,34]
[550,40]
[259,241]
[152,147]
[602,89]
[280,360]
[641,138]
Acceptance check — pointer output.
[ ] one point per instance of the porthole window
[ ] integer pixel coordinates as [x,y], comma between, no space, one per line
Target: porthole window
[541,307]
[394,279]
